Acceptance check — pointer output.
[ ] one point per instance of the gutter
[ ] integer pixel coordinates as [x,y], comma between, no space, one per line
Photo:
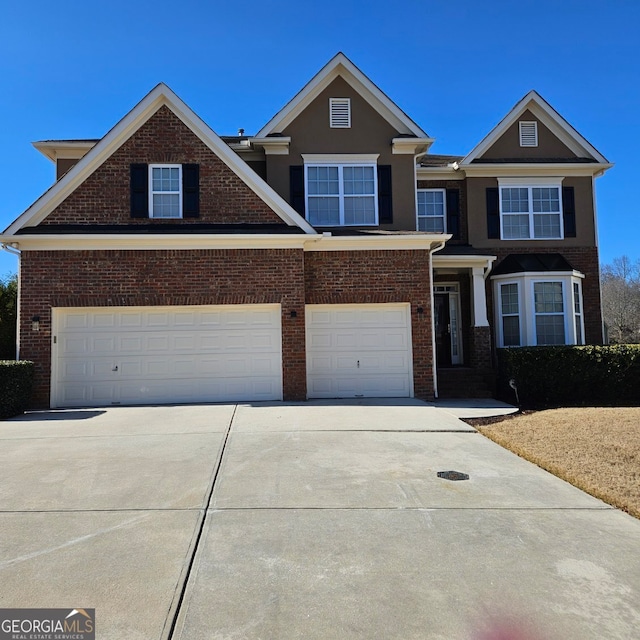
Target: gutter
[437,248]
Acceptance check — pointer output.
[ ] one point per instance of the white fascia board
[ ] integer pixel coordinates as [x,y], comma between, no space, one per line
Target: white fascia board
[462,262]
[133,241]
[160,96]
[535,103]
[410,146]
[552,170]
[114,241]
[537,275]
[424,241]
[340,65]
[54,149]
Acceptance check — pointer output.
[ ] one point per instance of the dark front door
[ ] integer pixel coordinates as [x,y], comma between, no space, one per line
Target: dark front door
[443,329]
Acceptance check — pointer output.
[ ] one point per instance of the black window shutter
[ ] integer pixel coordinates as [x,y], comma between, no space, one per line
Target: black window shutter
[385,202]
[296,188]
[493,213]
[569,212]
[190,191]
[139,191]
[453,213]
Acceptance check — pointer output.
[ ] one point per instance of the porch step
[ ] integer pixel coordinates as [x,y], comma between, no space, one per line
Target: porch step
[464,382]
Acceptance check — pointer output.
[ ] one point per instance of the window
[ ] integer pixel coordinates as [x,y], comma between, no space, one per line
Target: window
[549,313]
[341,194]
[165,191]
[510,314]
[528,134]
[340,113]
[536,308]
[530,212]
[577,311]
[431,210]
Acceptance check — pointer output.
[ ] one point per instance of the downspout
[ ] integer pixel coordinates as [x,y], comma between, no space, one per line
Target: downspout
[433,321]
[10,248]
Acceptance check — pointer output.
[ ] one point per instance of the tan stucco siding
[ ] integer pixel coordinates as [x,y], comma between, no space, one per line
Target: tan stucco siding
[508,144]
[477,216]
[369,133]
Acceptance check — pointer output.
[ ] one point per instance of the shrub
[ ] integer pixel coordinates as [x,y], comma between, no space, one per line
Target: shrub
[571,376]
[16,382]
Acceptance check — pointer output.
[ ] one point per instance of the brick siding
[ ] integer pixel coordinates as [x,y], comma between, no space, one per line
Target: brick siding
[214,277]
[361,277]
[147,278]
[104,197]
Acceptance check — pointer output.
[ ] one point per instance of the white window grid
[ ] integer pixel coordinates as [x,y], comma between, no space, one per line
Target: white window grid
[519,219]
[432,210]
[341,195]
[509,308]
[571,302]
[549,306]
[165,191]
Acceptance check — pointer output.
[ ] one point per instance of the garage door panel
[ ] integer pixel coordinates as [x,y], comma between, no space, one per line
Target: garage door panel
[358,350]
[171,354]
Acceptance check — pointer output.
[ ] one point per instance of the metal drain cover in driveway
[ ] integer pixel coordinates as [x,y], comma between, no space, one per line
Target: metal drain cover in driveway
[453,475]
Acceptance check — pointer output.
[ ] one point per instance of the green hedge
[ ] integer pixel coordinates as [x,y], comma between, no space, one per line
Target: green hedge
[16,382]
[571,376]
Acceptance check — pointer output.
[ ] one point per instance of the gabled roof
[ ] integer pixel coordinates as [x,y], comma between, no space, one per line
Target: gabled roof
[341,66]
[542,110]
[160,96]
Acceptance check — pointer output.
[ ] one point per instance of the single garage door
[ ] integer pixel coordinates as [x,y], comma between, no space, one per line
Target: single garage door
[141,355]
[360,350]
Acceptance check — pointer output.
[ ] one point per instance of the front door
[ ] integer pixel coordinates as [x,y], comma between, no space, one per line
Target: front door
[443,329]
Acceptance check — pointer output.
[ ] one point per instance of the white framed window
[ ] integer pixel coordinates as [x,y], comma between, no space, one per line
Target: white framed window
[341,194]
[535,309]
[549,311]
[165,191]
[340,113]
[577,313]
[528,133]
[530,211]
[509,314]
[432,210]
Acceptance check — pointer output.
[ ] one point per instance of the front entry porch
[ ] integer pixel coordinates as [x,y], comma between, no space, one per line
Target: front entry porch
[462,335]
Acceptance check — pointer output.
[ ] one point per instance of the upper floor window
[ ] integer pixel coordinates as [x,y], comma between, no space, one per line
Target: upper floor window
[340,113]
[341,194]
[432,210]
[165,191]
[530,211]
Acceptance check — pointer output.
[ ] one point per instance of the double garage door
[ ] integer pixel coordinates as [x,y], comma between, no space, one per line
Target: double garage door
[147,355]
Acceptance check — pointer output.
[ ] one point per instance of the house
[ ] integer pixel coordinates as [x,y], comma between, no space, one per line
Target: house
[329,255]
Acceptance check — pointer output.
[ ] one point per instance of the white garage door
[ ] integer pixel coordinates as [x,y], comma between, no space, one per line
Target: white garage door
[142,355]
[360,350]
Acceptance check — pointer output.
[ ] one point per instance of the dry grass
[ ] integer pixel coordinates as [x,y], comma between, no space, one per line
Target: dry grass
[595,449]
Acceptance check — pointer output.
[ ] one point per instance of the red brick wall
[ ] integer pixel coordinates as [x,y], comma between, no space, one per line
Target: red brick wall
[360,277]
[104,197]
[141,278]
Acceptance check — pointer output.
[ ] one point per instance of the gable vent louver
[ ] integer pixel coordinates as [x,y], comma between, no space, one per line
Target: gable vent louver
[340,113]
[528,134]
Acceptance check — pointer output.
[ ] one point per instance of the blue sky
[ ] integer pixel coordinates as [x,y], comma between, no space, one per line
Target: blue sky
[73,69]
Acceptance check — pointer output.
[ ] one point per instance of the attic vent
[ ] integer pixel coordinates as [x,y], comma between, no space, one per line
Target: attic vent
[340,113]
[528,134]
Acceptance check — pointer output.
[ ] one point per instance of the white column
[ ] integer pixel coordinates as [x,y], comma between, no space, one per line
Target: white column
[479,298]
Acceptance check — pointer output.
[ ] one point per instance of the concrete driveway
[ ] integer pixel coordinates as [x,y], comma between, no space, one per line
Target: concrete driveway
[314,520]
